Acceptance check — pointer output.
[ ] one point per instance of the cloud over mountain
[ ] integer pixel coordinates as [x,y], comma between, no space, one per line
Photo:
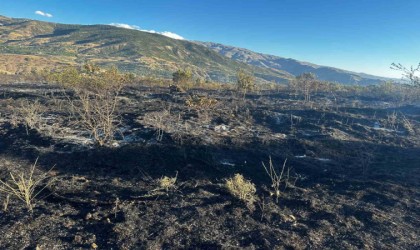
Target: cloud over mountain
[135,27]
[41,13]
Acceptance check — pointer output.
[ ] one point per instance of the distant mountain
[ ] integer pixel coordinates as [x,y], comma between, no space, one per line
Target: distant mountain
[293,66]
[28,45]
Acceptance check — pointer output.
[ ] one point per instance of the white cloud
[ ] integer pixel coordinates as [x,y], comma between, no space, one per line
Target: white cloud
[171,35]
[125,26]
[135,27]
[41,13]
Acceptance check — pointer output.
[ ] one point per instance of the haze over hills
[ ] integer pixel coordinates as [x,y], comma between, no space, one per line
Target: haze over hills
[293,66]
[28,45]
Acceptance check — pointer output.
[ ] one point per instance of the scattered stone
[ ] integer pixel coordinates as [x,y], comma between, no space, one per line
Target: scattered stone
[88,216]
[280,136]
[221,128]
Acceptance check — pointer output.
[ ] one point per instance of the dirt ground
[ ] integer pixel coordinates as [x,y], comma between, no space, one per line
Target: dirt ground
[355,172]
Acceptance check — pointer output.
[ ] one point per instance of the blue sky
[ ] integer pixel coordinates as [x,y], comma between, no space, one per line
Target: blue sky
[359,35]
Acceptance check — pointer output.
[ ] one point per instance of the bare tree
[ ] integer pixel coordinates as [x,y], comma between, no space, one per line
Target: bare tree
[93,105]
[412,74]
[306,84]
[245,82]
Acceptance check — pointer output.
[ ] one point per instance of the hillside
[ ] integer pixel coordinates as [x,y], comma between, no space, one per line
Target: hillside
[293,66]
[131,50]
[29,45]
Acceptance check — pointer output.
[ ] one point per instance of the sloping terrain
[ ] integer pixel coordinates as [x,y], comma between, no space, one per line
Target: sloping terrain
[293,66]
[353,181]
[130,50]
[150,54]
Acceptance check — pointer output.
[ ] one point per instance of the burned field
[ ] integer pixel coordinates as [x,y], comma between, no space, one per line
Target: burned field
[350,181]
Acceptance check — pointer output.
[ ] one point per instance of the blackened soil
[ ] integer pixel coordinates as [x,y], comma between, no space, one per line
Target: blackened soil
[354,178]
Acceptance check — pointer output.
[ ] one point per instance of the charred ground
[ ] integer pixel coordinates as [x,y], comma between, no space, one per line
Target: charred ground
[355,172]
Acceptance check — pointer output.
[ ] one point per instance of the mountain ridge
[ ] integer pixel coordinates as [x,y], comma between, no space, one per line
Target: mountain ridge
[293,66]
[130,50]
[32,42]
